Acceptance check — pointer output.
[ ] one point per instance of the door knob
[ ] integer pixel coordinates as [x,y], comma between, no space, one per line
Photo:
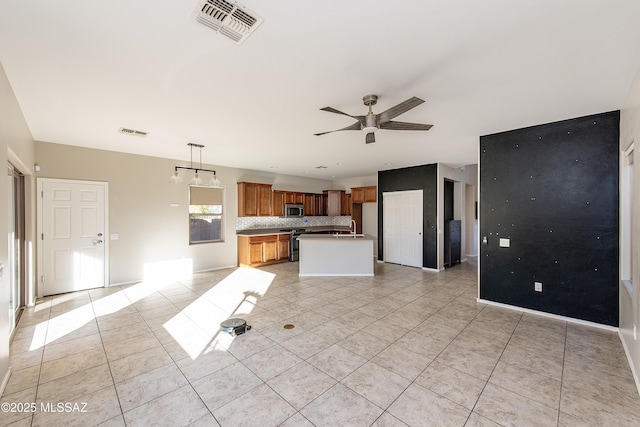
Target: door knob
[99,234]
[96,242]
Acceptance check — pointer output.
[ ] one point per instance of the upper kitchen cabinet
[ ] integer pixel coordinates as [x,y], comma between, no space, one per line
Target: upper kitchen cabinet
[309,204]
[277,202]
[334,202]
[294,197]
[254,199]
[320,204]
[366,194]
[345,204]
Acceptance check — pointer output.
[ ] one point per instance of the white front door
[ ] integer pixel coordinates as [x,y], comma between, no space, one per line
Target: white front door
[73,233]
[402,227]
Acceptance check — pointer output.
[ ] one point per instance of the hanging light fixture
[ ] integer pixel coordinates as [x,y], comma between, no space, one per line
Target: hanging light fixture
[175,178]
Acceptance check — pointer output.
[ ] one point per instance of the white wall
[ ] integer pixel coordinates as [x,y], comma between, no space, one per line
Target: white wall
[16,145]
[630,302]
[149,229]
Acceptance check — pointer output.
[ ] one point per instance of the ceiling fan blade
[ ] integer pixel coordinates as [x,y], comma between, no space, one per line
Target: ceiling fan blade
[401,108]
[371,137]
[404,126]
[355,126]
[333,110]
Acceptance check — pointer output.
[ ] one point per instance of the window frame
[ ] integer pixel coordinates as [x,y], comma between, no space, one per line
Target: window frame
[196,215]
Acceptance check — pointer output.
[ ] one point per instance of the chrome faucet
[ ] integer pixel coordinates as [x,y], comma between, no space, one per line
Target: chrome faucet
[353,224]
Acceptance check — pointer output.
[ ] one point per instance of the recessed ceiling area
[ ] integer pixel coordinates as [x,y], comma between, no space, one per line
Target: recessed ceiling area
[80,74]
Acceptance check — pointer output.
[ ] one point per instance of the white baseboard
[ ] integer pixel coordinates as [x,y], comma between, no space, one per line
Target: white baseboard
[433,270]
[5,381]
[630,361]
[550,315]
[131,282]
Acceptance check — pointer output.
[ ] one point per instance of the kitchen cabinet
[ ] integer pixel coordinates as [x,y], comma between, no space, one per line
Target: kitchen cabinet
[254,199]
[295,197]
[334,202]
[277,203]
[320,204]
[309,204]
[345,204]
[283,247]
[255,251]
[366,194]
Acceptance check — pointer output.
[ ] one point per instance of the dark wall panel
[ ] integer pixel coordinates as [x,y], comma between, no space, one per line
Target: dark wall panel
[414,178]
[553,191]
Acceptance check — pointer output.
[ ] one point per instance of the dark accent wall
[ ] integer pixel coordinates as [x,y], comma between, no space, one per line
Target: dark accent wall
[448,200]
[414,178]
[553,191]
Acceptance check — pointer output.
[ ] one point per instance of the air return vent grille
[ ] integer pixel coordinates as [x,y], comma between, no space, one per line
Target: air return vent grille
[132,132]
[227,18]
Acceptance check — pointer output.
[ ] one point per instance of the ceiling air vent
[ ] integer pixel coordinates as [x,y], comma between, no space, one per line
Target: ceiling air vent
[227,18]
[132,132]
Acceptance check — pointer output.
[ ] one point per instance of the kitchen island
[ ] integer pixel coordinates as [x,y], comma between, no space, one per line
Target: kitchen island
[336,255]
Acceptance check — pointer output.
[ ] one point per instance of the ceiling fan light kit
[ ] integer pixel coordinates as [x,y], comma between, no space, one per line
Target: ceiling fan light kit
[175,178]
[371,122]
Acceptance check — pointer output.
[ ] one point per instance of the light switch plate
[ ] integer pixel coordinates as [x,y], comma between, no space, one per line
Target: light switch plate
[537,286]
[114,237]
[505,243]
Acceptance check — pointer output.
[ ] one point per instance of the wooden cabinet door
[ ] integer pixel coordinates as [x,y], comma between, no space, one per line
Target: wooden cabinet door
[277,203]
[334,201]
[255,252]
[370,194]
[308,204]
[247,199]
[319,203]
[283,247]
[270,249]
[345,204]
[264,200]
[357,195]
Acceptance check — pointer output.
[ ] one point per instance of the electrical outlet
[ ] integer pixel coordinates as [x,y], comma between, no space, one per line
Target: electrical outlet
[635,330]
[537,286]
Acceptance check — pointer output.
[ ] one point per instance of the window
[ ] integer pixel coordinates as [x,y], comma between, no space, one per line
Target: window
[205,214]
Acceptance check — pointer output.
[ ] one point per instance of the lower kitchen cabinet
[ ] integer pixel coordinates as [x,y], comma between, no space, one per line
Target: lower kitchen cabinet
[255,251]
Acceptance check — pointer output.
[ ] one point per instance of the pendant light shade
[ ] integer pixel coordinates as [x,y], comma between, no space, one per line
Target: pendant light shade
[196,180]
[215,182]
[175,178]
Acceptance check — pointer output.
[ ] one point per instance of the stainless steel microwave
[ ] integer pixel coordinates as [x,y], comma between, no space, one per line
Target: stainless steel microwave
[293,210]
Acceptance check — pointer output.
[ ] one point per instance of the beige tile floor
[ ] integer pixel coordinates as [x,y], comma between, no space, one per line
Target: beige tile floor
[406,348]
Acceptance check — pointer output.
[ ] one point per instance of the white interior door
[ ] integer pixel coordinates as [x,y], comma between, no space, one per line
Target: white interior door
[402,227]
[73,235]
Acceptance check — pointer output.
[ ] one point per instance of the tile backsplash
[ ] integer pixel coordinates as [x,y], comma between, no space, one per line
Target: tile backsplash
[260,222]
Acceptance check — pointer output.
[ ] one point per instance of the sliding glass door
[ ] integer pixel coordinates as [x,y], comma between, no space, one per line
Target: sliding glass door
[15,270]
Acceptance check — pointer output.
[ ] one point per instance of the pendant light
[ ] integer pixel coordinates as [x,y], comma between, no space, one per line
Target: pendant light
[175,178]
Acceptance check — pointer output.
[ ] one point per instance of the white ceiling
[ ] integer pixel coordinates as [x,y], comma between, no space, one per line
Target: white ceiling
[83,69]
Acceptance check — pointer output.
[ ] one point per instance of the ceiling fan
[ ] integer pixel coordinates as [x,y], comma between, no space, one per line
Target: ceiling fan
[372,122]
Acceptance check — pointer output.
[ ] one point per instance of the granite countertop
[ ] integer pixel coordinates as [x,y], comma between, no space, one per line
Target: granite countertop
[287,230]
